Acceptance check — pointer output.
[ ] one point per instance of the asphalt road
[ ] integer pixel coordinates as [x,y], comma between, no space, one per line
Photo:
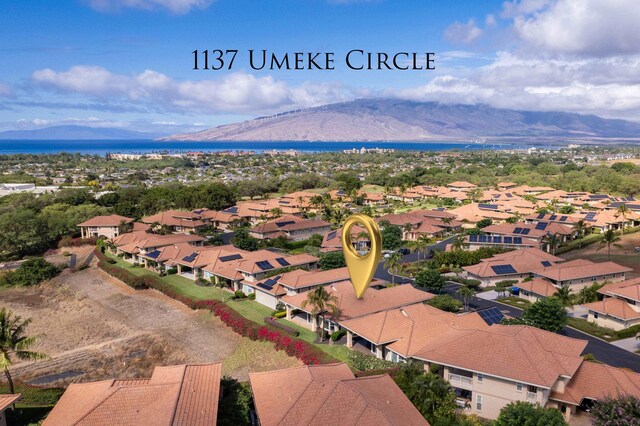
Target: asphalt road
[603,351]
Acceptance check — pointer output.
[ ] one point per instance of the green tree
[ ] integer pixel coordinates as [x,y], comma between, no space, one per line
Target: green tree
[392,263]
[321,301]
[391,237]
[552,242]
[332,260]
[349,181]
[546,314]
[459,243]
[429,393]
[467,294]
[430,279]
[609,238]
[14,343]
[445,303]
[580,228]
[31,272]
[623,211]
[235,404]
[483,223]
[521,413]
[564,296]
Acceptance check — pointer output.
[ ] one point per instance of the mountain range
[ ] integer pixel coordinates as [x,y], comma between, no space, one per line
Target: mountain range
[74,132]
[401,120]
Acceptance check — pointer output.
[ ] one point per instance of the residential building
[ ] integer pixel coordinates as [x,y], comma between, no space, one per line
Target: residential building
[173,395]
[461,186]
[133,245]
[492,367]
[535,289]
[374,300]
[620,307]
[470,214]
[290,227]
[330,394]
[512,265]
[6,401]
[177,221]
[103,226]
[581,273]
[269,291]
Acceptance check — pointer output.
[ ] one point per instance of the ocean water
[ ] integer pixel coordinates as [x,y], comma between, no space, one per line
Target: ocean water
[101,147]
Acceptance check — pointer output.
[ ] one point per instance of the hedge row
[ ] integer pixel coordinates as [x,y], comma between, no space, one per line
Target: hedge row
[304,351]
[77,242]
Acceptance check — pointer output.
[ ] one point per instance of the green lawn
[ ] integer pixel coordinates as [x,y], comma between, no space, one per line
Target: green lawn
[249,309]
[34,404]
[516,302]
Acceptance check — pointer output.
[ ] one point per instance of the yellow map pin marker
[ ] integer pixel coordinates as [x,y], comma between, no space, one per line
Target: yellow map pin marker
[361,267]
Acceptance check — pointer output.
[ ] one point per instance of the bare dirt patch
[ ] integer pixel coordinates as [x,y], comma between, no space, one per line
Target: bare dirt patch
[623,254]
[95,327]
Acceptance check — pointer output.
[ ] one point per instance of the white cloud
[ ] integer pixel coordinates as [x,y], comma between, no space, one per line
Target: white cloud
[584,27]
[178,7]
[5,90]
[463,33]
[238,92]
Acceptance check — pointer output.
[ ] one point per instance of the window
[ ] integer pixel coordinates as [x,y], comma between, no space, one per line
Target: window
[595,315]
[478,402]
[518,387]
[532,389]
[480,377]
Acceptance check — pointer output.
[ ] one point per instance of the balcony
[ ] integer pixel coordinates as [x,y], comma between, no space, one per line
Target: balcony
[459,381]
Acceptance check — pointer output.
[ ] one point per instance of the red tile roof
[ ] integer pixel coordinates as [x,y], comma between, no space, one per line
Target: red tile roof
[175,395]
[111,220]
[581,268]
[595,381]
[7,399]
[520,353]
[330,395]
[614,307]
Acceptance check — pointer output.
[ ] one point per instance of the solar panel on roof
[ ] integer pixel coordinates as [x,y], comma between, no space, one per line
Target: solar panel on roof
[285,223]
[540,216]
[541,226]
[190,258]
[231,210]
[198,211]
[264,265]
[488,206]
[331,235]
[282,261]
[440,209]
[491,316]
[525,231]
[518,230]
[154,254]
[553,217]
[503,269]
[563,218]
[265,286]
[546,263]
[590,216]
[230,257]
[509,195]
[473,238]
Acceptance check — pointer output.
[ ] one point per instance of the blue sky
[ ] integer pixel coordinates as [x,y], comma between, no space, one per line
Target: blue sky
[127,63]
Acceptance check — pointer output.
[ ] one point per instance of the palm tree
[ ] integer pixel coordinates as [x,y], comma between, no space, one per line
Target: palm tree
[276,212]
[552,241]
[14,343]
[466,293]
[623,211]
[609,238]
[581,228]
[475,194]
[459,243]
[564,295]
[554,205]
[419,245]
[392,264]
[321,301]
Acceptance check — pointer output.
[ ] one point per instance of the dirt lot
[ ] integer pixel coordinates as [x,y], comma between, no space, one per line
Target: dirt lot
[94,327]
[623,255]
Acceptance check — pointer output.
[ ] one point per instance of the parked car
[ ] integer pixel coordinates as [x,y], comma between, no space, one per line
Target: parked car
[403,251]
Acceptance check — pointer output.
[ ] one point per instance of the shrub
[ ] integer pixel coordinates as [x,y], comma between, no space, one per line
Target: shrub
[289,330]
[365,362]
[337,335]
[521,413]
[31,272]
[251,296]
[629,332]
[239,294]
[430,279]
[279,314]
[620,410]
[77,242]
[445,303]
[172,271]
